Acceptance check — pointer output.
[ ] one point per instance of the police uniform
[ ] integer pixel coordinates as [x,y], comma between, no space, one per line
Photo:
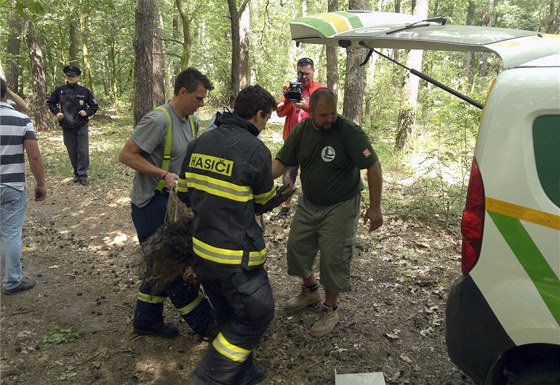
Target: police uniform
[70,99]
[226,178]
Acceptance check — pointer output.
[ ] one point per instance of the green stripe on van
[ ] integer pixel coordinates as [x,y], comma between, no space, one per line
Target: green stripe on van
[329,24]
[532,260]
[354,20]
[322,26]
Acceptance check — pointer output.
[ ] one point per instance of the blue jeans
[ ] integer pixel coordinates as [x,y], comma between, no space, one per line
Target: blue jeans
[149,218]
[12,214]
[76,141]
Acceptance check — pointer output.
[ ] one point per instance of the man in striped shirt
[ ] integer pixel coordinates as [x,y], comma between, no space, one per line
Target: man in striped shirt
[16,135]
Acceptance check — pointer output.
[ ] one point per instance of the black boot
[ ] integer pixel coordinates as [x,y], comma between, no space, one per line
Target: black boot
[255,375]
[161,329]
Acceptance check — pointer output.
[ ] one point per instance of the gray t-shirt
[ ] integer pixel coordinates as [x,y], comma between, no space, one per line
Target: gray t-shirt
[150,135]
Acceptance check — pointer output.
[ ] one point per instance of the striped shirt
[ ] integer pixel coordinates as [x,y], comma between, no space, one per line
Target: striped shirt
[15,128]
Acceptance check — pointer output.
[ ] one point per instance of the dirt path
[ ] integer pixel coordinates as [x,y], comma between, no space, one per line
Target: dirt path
[80,247]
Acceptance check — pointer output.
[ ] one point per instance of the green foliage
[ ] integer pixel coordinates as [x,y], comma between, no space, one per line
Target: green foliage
[29,7]
[520,14]
[106,142]
[107,136]
[444,133]
[62,336]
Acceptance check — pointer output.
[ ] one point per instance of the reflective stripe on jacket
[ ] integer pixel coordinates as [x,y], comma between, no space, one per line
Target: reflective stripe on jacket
[226,175]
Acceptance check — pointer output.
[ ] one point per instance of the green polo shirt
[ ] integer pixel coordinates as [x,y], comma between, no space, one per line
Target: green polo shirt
[330,161]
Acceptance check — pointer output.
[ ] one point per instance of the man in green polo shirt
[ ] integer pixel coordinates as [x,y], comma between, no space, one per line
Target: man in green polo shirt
[330,150]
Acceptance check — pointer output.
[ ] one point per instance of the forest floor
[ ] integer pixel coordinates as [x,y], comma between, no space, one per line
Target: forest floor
[75,327]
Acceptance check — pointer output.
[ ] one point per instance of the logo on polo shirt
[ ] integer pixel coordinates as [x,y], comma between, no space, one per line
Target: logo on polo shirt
[328,154]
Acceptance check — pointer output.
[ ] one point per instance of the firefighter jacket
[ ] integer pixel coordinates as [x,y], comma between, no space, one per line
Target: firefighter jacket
[226,178]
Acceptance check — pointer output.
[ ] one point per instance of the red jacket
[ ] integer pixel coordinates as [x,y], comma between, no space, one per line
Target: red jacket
[295,115]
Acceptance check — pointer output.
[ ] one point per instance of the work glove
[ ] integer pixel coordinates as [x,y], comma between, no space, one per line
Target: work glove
[282,193]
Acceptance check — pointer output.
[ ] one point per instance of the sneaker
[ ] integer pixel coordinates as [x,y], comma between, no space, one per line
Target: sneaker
[326,323]
[304,299]
[162,330]
[283,214]
[76,180]
[84,182]
[26,284]
[255,375]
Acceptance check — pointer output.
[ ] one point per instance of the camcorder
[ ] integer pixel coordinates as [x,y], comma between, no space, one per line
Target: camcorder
[294,90]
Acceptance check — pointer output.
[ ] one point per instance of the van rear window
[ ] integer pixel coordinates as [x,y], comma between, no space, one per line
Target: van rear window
[546,139]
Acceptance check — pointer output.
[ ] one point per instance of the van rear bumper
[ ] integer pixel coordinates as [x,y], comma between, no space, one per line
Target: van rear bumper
[475,338]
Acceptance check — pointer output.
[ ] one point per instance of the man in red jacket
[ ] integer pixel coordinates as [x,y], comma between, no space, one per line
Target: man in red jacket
[295,111]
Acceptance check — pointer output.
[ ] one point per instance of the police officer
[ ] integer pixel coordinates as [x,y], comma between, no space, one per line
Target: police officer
[227,178]
[73,104]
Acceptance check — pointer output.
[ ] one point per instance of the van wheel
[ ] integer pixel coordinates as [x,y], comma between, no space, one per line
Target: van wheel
[538,375]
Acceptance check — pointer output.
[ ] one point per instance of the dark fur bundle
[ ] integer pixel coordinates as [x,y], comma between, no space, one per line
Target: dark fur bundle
[168,254]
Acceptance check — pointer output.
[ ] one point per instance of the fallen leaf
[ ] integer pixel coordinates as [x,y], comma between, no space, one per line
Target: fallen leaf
[406,358]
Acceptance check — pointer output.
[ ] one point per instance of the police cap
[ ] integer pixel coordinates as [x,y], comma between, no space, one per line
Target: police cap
[72,70]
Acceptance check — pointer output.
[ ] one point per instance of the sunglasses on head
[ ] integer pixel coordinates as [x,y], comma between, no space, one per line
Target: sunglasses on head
[305,62]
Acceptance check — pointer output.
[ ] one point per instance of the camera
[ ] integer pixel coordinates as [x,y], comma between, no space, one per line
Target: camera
[294,90]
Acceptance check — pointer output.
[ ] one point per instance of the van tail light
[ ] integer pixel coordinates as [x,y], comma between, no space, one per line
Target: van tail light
[472,223]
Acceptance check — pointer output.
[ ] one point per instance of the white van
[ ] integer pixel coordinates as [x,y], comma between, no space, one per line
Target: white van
[503,314]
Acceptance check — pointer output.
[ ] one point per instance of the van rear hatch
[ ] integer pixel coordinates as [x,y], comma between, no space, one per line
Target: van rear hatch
[399,31]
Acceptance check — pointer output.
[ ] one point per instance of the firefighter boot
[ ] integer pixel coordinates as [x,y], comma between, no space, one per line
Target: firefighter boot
[250,373]
[148,316]
[193,307]
[255,375]
[309,296]
[162,330]
[202,320]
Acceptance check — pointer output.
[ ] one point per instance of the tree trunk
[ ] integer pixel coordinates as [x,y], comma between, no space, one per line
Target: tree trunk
[87,77]
[235,79]
[13,50]
[38,105]
[159,63]
[487,20]
[74,42]
[354,85]
[355,75]
[551,23]
[115,84]
[244,29]
[186,20]
[405,121]
[332,57]
[468,56]
[235,51]
[407,115]
[395,52]
[143,66]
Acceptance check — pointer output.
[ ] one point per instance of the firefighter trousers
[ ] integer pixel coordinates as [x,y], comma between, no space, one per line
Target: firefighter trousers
[186,297]
[244,308]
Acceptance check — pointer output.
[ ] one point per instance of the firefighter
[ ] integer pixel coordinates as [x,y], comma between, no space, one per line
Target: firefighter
[227,179]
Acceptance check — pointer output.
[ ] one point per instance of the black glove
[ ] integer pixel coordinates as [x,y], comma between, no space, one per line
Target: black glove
[282,193]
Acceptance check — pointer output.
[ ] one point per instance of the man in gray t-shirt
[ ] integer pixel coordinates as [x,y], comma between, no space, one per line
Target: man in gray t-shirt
[150,136]
[153,179]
